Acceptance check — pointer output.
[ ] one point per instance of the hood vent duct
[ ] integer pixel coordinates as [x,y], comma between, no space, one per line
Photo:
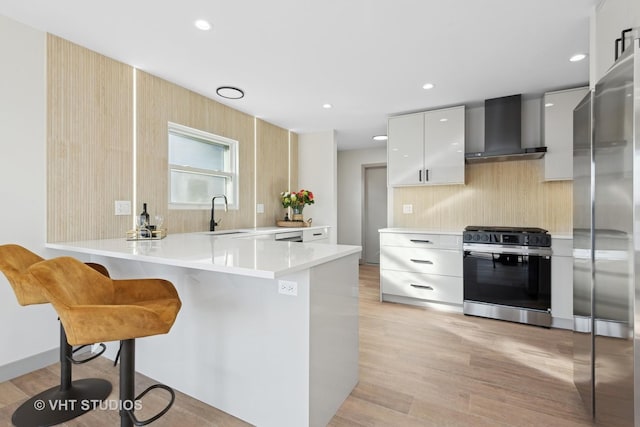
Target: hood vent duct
[502,133]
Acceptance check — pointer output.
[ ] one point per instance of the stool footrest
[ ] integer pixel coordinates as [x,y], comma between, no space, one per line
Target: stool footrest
[159,414]
[103,348]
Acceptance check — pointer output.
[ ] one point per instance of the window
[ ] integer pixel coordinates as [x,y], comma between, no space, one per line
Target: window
[201,165]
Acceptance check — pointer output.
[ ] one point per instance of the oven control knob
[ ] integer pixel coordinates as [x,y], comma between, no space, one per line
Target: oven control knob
[476,237]
[468,237]
[535,240]
[485,237]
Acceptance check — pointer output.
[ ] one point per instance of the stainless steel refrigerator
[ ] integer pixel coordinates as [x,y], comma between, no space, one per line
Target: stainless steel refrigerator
[607,244]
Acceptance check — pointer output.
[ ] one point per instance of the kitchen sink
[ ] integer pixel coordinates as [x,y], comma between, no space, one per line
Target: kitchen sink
[224,232]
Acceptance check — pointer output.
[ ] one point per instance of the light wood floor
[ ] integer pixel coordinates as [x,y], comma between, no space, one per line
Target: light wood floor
[418,367]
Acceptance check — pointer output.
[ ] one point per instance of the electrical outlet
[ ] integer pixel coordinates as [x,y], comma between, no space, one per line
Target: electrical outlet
[286,287]
[407,209]
[123,207]
[260,208]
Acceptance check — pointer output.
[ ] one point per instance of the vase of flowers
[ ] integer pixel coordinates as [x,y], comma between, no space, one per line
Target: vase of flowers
[296,201]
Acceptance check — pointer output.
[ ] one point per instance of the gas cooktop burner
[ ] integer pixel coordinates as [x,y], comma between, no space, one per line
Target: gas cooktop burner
[493,235]
[492,228]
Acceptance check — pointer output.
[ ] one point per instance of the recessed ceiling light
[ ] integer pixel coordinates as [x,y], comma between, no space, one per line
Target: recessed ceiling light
[203,25]
[427,86]
[380,138]
[444,119]
[577,57]
[327,106]
[230,92]
[549,104]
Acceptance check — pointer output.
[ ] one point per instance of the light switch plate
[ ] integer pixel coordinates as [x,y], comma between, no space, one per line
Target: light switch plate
[123,207]
[407,209]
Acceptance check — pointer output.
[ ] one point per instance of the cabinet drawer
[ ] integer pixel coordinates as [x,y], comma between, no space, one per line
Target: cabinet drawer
[423,286]
[435,261]
[419,240]
[315,234]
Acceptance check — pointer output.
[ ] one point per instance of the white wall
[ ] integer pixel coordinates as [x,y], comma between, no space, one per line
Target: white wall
[350,189]
[24,331]
[317,159]
[611,17]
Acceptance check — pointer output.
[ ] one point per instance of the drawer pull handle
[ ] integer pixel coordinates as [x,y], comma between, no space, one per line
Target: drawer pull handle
[317,234]
[427,287]
[421,261]
[421,241]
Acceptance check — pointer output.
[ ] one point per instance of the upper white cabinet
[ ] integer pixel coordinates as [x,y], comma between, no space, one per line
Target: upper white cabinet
[558,132]
[426,148]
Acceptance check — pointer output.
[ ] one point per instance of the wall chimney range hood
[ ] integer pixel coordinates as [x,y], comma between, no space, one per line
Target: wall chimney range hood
[502,133]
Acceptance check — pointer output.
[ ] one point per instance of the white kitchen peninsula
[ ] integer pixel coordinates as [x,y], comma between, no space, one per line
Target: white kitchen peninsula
[268,330]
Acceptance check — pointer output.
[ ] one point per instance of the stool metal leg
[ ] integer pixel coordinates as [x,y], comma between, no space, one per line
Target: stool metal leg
[127,380]
[64,402]
[127,388]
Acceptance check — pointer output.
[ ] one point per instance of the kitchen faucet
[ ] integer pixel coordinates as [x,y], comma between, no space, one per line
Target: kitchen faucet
[213,223]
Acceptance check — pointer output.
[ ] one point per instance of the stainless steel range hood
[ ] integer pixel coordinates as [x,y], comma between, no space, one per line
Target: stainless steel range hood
[502,133]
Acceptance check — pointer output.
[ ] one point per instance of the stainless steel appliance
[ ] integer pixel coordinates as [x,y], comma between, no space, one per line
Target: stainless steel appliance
[507,274]
[607,247]
[502,133]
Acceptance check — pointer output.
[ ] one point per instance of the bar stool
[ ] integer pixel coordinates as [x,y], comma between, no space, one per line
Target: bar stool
[71,398]
[110,310]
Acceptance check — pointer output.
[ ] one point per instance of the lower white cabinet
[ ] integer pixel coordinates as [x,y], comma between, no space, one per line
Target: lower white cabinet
[316,235]
[431,287]
[420,268]
[562,283]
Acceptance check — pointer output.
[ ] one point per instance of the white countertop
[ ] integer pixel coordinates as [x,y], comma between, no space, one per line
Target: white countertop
[219,252]
[420,230]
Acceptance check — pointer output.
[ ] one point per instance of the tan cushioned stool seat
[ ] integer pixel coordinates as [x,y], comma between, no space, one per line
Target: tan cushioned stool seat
[94,308]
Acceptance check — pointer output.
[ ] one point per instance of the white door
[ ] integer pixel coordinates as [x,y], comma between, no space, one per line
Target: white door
[375,211]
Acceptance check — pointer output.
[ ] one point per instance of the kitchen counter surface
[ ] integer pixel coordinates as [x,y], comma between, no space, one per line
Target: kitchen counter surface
[419,230]
[218,251]
[248,304]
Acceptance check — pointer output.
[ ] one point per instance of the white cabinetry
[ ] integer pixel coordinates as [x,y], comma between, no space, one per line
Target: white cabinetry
[421,268]
[316,235]
[426,148]
[558,132]
[562,283]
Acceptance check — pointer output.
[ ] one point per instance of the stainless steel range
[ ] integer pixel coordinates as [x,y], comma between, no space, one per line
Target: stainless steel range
[507,273]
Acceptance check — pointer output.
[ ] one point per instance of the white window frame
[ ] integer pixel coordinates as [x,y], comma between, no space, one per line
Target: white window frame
[232,174]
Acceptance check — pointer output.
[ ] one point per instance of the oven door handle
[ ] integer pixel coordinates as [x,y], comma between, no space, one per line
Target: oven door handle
[427,287]
[421,261]
[508,250]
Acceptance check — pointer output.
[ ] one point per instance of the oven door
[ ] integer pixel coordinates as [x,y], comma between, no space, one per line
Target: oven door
[515,276]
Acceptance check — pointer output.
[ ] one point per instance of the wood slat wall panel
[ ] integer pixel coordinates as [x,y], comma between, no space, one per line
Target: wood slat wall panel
[90,148]
[503,193]
[272,167]
[89,142]
[160,102]
[293,181]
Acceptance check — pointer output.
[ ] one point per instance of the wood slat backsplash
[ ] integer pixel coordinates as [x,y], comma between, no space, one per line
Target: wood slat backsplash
[160,102]
[272,155]
[89,142]
[90,148]
[504,193]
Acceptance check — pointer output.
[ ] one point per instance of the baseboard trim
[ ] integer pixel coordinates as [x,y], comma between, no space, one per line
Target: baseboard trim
[561,323]
[29,364]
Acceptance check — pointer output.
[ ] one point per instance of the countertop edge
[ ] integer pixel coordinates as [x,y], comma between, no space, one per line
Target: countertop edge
[346,250]
[409,230]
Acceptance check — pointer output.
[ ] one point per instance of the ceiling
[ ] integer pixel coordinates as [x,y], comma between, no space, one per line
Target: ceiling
[368,58]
